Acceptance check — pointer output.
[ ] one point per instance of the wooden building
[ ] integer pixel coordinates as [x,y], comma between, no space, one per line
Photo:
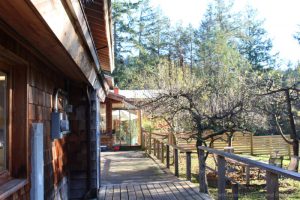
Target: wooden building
[121,120]
[52,58]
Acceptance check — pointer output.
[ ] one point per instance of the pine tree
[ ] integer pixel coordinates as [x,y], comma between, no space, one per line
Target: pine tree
[255,45]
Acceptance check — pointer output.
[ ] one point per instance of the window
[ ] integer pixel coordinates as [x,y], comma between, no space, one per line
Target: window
[103,118]
[3,116]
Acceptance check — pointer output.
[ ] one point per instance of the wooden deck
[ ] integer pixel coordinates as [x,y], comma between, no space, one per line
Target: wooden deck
[163,191]
[131,175]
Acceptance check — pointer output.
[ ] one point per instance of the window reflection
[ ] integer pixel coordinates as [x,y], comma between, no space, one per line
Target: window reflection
[125,126]
[3,96]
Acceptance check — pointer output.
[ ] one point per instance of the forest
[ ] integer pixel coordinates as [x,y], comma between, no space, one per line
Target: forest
[221,77]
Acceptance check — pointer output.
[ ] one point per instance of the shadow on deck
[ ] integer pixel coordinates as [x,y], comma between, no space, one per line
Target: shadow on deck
[133,175]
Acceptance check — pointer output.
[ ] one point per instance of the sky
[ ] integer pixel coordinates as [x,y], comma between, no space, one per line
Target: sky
[282,20]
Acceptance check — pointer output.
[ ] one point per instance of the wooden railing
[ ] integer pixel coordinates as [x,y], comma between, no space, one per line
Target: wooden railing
[272,172]
[162,151]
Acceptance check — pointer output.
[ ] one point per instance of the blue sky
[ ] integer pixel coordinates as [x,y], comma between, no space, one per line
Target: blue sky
[282,18]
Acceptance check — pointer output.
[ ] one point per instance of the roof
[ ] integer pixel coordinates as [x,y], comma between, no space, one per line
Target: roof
[98,13]
[139,94]
[122,100]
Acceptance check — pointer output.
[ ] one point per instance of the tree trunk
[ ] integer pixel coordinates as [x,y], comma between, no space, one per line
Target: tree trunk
[292,125]
[229,140]
[203,186]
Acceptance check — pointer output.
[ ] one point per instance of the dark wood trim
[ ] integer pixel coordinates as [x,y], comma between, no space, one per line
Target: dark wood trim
[8,70]
[19,123]
[11,187]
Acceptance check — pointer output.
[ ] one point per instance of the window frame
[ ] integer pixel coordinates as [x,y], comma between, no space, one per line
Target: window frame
[7,69]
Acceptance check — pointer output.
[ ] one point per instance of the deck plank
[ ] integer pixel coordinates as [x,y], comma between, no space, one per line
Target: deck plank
[117,192]
[153,192]
[146,192]
[131,192]
[175,192]
[109,192]
[183,191]
[102,193]
[196,190]
[189,190]
[124,192]
[161,192]
[138,191]
[168,191]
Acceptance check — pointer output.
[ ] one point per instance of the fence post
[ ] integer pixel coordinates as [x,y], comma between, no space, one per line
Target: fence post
[188,166]
[289,150]
[176,162]
[202,172]
[221,177]
[162,152]
[251,144]
[168,156]
[272,186]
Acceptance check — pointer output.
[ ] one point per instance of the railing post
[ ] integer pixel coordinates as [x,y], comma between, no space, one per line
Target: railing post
[158,150]
[202,172]
[188,166]
[143,140]
[176,162]
[168,156]
[247,175]
[150,145]
[272,186]
[154,146]
[162,152]
[235,191]
[221,177]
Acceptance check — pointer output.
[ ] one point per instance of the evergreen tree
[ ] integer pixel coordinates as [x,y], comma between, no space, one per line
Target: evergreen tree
[255,45]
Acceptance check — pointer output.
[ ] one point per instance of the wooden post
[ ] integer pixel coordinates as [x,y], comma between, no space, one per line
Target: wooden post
[150,145]
[168,156]
[154,147]
[158,150]
[272,186]
[176,162]
[251,144]
[235,191]
[188,166]
[247,171]
[202,172]
[221,177]
[162,152]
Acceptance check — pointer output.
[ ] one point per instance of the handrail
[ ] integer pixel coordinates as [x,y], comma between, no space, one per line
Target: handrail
[271,168]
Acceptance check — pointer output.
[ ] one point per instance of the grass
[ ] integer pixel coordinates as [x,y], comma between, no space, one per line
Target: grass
[289,189]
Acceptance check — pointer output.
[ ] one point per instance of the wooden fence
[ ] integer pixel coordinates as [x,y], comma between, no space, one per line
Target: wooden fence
[254,145]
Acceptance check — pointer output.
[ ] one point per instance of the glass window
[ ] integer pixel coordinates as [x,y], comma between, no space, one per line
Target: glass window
[103,118]
[3,107]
